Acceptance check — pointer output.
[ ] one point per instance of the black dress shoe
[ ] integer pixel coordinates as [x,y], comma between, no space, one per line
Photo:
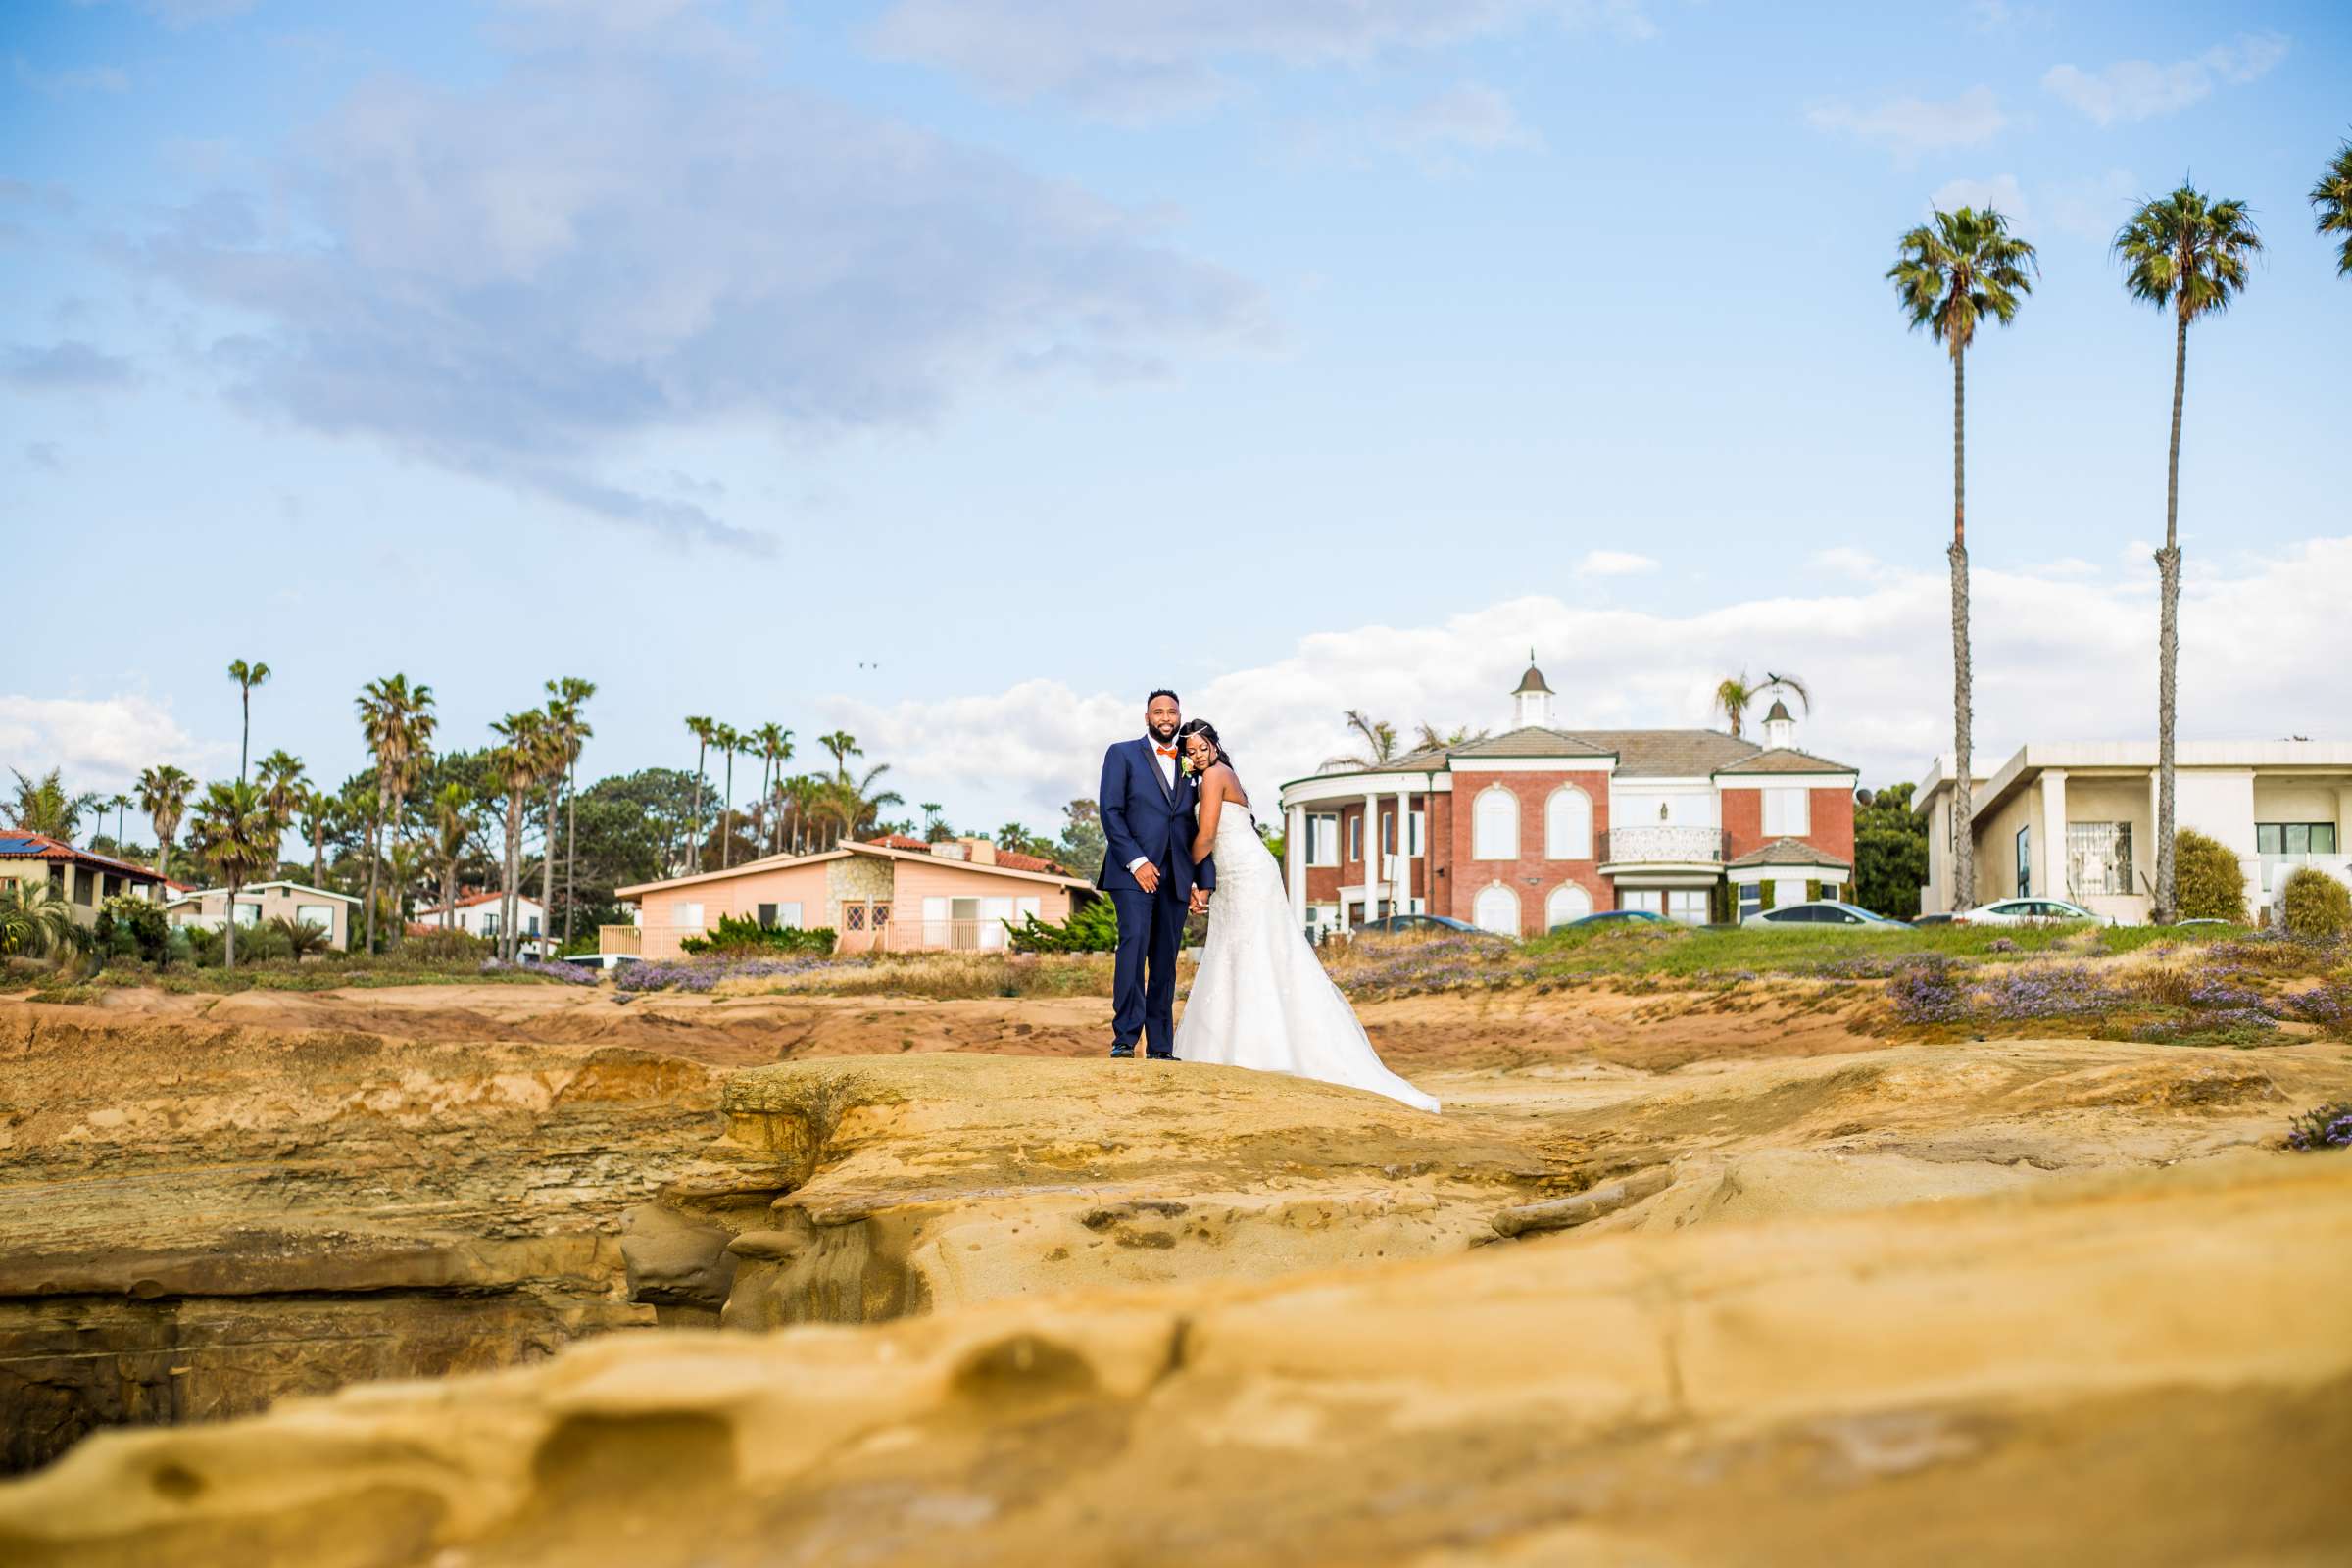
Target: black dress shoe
[1161,1056]
[1123,1049]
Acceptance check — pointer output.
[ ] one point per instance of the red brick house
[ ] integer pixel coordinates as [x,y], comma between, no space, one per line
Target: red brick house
[1525,830]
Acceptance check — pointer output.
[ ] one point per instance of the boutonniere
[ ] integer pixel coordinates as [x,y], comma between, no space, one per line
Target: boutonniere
[1184,768]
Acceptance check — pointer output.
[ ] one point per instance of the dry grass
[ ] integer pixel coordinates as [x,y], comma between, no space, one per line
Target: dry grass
[940,977]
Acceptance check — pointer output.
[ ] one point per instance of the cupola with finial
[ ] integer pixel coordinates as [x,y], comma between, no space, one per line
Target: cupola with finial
[1533,699]
[1779,730]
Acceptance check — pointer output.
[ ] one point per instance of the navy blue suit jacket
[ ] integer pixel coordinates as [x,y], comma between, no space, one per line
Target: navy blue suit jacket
[1146,820]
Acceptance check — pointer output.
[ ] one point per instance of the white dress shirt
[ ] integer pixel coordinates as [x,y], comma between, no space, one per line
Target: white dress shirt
[1167,771]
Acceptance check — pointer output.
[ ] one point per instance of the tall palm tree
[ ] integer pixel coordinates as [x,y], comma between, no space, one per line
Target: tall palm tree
[729,740]
[398,721]
[800,793]
[530,750]
[453,825]
[45,806]
[2331,205]
[2188,254]
[116,804]
[775,750]
[247,676]
[233,829]
[573,693]
[321,814]
[282,783]
[844,745]
[164,797]
[702,731]
[1429,737]
[1951,274]
[1380,742]
[853,805]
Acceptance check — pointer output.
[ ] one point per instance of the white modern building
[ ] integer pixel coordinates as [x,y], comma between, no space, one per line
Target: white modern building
[2076,821]
[257,902]
[478,914]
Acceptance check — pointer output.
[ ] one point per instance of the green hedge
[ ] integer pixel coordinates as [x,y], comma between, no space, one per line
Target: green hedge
[2208,882]
[2314,905]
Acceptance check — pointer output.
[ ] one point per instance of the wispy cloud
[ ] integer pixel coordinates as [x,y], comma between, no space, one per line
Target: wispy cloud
[1147,58]
[180,15]
[1613,564]
[2141,89]
[1875,706]
[2092,208]
[533,281]
[1470,116]
[71,79]
[66,365]
[45,454]
[1910,126]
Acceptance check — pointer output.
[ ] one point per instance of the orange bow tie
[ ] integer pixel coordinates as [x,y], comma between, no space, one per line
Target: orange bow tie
[1165,751]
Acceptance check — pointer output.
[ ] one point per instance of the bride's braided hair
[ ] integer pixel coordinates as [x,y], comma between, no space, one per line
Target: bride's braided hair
[1207,732]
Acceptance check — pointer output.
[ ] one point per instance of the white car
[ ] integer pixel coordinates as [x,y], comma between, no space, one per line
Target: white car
[1823,912]
[2029,911]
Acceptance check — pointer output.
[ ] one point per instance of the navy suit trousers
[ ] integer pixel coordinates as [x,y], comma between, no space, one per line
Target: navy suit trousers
[1143,987]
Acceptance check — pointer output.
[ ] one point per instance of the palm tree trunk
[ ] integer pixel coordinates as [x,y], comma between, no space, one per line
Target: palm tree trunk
[449,892]
[228,932]
[319,858]
[547,860]
[510,873]
[375,836]
[245,739]
[1964,847]
[572,847]
[726,817]
[2168,640]
[694,847]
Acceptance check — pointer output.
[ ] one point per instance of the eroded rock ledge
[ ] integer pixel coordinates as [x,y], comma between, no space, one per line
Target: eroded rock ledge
[2151,1368]
[921,1183]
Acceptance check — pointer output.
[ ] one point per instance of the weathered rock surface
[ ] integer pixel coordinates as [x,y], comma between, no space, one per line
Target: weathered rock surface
[198,1217]
[2153,1367]
[920,1183]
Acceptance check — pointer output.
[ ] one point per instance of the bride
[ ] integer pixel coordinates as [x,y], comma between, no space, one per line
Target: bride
[1261,998]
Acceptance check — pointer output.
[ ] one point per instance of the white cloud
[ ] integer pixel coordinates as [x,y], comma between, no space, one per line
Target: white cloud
[2063,650]
[531,279]
[2142,89]
[101,743]
[2001,193]
[1471,115]
[1910,126]
[72,79]
[1145,57]
[1613,564]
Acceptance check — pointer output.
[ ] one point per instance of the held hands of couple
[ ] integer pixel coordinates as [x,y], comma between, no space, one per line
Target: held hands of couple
[1200,901]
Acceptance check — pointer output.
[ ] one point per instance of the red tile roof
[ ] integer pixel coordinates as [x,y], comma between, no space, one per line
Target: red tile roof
[22,844]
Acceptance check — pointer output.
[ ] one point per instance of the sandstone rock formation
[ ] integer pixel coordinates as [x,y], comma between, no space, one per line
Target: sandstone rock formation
[2149,1367]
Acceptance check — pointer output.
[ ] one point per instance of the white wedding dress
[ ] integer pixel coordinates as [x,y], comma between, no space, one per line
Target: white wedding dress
[1261,998]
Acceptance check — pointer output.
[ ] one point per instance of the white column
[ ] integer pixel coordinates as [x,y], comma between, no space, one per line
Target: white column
[1339,825]
[1294,864]
[1404,848]
[1372,877]
[2050,864]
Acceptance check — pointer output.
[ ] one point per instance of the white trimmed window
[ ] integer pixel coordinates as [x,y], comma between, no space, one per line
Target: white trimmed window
[1496,910]
[686,917]
[1494,831]
[1568,902]
[1355,838]
[1420,839]
[1568,825]
[1787,813]
[1323,840]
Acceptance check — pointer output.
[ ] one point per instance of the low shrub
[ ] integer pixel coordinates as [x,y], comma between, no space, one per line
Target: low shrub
[2328,1127]
[1930,990]
[570,975]
[2314,905]
[734,937]
[2208,882]
[1092,927]
[444,946]
[132,928]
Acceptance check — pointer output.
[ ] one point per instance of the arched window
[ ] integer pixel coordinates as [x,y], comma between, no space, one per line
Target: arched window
[1568,824]
[1496,910]
[1568,902]
[1495,825]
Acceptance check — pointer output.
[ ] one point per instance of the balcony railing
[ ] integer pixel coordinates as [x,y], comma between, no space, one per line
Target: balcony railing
[624,940]
[1661,843]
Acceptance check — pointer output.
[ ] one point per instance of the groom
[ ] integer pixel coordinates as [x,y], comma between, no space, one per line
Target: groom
[1147,801]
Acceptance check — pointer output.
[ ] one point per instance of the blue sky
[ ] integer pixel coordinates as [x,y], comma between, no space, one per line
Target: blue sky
[1303,358]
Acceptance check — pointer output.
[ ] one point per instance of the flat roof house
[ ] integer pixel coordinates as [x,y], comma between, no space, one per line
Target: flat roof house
[1527,830]
[85,881]
[261,901]
[476,914]
[894,894]
[2077,819]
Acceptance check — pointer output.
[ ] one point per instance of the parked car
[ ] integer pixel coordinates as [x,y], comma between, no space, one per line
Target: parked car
[1824,911]
[2029,911]
[1421,924]
[1613,917]
[1940,918]
[597,961]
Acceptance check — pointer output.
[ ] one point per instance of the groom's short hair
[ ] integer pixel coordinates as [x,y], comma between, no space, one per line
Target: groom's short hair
[1161,691]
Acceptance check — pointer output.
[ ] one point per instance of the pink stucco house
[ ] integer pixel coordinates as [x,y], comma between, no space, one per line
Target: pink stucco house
[894,894]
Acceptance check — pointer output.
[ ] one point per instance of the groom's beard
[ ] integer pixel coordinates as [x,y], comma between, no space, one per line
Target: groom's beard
[1164,736]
